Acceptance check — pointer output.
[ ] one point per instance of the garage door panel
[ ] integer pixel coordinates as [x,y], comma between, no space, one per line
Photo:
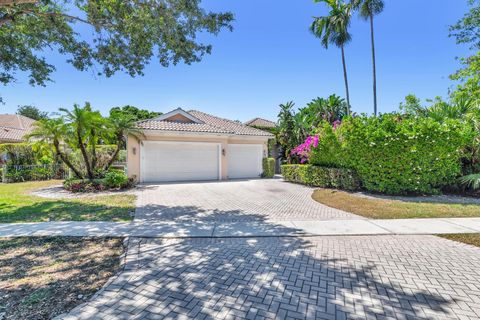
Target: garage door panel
[244,160]
[164,161]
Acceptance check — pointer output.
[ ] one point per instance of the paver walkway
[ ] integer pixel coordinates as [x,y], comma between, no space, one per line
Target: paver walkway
[382,277]
[270,228]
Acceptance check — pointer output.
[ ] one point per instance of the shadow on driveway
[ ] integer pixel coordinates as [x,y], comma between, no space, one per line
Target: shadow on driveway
[399,277]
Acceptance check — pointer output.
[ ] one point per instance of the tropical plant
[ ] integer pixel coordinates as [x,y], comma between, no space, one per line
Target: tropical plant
[333,29]
[53,132]
[368,9]
[329,109]
[471,181]
[78,133]
[86,126]
[287,127]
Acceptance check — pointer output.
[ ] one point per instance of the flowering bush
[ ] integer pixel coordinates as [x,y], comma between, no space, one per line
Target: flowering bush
[303,150]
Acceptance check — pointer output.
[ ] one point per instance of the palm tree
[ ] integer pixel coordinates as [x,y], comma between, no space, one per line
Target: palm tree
[333,29]
[85,125]
[52,132]
[286,127]
[368,9]
[121,127]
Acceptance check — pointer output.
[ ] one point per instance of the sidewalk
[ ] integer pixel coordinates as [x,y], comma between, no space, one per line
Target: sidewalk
[260,228]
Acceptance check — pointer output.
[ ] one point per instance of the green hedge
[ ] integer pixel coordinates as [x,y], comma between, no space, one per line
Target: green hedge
[268,167]
[394,154]
[324,177]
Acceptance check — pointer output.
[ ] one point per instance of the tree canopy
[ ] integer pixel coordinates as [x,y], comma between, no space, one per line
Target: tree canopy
[467,29]
[32,112]
[102,35]
[133,112]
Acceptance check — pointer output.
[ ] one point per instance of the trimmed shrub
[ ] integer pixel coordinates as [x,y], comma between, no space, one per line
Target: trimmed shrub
[323,177]
[268,167]
[396,155]
[116,179]
[328,152]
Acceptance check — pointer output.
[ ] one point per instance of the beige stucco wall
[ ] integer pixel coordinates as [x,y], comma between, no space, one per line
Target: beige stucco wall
[133,147]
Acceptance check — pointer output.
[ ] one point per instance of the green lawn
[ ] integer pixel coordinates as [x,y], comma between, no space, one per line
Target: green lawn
[16,205]
[392,209]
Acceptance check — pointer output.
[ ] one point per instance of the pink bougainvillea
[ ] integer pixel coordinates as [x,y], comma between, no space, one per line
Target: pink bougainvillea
[336,123]
[303,150]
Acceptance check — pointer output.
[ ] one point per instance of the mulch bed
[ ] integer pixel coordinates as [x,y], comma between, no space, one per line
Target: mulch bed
[41,278]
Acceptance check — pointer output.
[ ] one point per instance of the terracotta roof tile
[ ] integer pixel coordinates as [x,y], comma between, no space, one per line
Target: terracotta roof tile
[234,127]
[263,123]
[178,126]
[210,124]
[14,127]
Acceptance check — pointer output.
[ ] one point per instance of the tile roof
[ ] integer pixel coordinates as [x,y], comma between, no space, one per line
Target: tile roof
[14,127]
[209,124]
[260,122]
[178,126]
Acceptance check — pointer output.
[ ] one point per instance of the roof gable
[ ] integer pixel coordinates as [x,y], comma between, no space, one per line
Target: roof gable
[178,115]
[262,123]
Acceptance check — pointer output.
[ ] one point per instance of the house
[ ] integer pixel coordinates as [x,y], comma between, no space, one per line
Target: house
[261,123]
[192,145]
[14,127]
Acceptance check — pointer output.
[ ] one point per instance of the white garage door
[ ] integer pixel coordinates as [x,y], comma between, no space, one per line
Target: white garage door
[179,161]
[244,160]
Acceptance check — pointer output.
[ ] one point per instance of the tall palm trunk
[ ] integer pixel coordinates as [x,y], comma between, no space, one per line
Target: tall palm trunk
[81,146]
[346,78]
[374,67]
[64,158]
[117,151]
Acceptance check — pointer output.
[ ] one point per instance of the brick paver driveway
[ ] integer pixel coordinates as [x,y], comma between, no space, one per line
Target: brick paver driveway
[233,201]
[378,277]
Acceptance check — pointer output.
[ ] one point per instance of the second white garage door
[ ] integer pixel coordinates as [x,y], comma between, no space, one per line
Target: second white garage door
[244,160]
[179,161]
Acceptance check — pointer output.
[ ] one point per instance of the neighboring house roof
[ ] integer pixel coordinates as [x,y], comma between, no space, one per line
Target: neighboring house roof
[200,122]
[14,127]
[261,123]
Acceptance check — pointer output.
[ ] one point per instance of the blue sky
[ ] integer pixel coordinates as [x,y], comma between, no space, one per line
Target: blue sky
[271,58]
